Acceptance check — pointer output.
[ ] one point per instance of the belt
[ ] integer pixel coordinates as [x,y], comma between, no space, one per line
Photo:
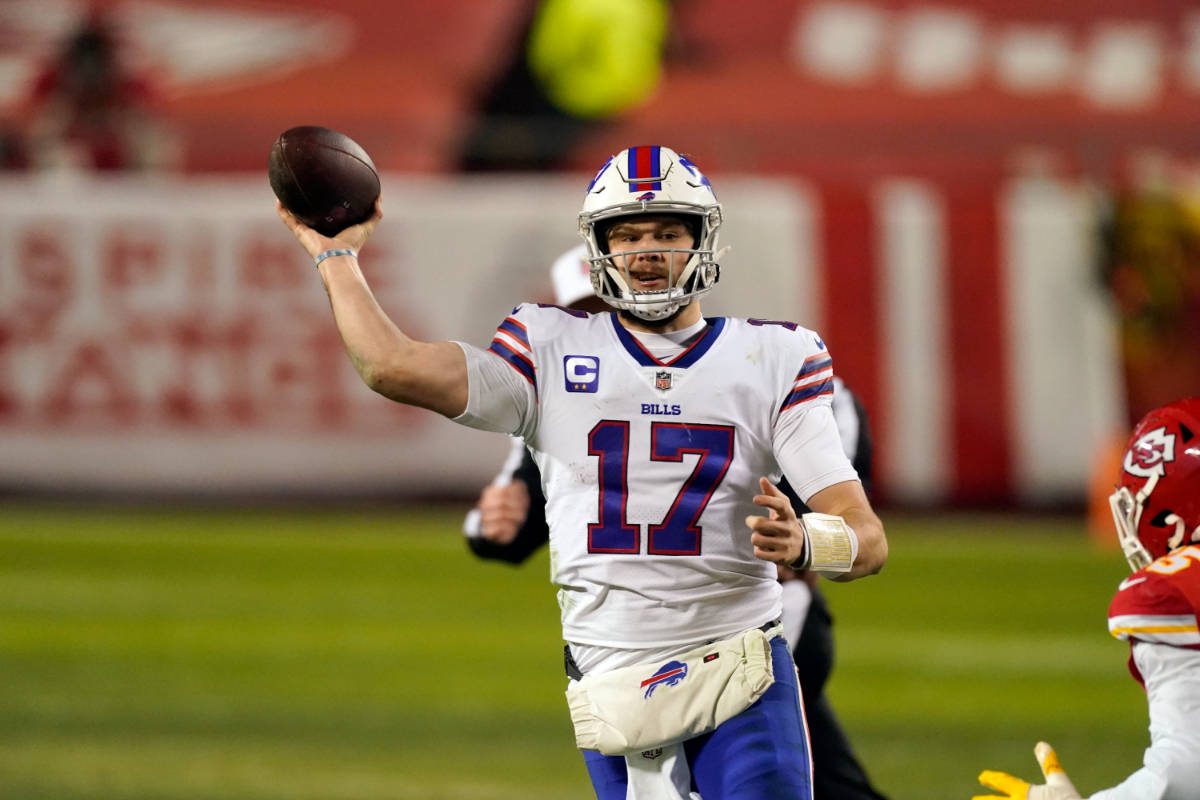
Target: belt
[575,673]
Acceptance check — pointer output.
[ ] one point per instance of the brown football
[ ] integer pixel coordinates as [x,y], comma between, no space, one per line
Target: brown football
[323,177]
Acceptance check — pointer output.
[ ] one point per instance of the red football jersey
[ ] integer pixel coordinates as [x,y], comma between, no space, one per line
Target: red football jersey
[1160,604]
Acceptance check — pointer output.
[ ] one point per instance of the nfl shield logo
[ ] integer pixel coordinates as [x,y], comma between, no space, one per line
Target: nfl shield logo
[662,380]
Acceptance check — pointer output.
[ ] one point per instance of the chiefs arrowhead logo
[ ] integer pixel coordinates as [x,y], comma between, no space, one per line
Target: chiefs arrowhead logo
[1150,454]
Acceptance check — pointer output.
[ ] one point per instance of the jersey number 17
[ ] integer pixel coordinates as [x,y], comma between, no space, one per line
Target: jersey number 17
[679,532]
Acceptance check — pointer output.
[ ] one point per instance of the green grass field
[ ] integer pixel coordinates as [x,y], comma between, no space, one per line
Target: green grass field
[363,654]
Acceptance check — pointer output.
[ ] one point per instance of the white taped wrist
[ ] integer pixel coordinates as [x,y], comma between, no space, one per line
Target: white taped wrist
[831,545]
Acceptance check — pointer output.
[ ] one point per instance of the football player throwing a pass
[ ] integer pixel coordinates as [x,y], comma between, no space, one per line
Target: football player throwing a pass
[509,524]
[658,433]
[1157,511]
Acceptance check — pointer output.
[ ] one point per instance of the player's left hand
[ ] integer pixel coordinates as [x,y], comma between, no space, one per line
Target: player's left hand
[779,536]
[1057,787]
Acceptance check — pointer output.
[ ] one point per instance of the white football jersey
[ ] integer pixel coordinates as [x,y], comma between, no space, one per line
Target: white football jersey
[650,467]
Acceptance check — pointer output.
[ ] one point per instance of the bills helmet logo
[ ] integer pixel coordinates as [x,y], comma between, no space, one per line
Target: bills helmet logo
[1150,454]
[646,196]
[668,674]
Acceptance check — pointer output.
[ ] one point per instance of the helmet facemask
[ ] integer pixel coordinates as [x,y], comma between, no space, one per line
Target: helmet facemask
[1127,513]
[691,271]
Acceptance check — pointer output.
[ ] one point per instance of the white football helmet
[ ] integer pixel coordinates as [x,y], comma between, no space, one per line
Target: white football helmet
[651,180]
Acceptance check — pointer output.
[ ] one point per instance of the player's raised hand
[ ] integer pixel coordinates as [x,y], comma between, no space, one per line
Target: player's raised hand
[352,238]
[1057,786]
[779,536]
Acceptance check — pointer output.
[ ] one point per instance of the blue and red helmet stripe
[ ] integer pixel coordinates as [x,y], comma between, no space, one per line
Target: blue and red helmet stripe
[644,162]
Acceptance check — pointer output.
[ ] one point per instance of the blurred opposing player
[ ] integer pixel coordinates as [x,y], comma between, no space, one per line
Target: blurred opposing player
[509,524]
[658,434]
[1157,610]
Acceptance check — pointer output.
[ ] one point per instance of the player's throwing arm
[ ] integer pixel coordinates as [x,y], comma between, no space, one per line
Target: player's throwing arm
[431,375]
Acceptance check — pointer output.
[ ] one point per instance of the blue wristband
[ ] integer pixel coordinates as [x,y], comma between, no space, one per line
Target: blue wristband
[331,253]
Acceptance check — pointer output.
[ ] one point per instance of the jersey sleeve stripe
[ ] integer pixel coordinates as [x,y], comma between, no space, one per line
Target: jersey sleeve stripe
[511,343]
[1175,630]
[516,330]
[806,393]
[813,379]
[815,363]
[516,360]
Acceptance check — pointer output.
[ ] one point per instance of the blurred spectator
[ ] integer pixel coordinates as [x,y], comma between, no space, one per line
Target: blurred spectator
[1152,267]
[1150,262]
[88,109]
[576,63]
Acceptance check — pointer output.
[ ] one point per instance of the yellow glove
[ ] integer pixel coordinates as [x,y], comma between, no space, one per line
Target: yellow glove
[1057,787]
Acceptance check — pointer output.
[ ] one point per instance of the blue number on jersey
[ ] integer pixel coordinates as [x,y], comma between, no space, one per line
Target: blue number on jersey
[609,441]
[678,534]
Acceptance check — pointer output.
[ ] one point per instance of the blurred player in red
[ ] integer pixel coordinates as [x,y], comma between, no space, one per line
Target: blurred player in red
[89,110]
[1157,610]
[509,524]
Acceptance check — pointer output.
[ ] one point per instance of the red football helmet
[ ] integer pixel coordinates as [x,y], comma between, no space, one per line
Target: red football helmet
[1157,503]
